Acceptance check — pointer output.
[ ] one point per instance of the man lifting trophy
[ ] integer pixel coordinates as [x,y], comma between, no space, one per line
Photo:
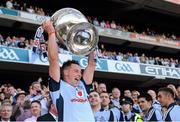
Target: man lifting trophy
[68,86]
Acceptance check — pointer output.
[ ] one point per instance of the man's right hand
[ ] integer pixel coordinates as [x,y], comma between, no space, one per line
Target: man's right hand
[48,27]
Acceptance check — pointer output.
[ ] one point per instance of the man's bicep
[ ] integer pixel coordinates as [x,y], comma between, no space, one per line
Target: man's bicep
[88,74]
[54,71]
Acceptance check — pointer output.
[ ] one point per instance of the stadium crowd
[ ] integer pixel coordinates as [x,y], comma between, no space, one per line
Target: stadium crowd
[14,4]
[103,53]
[115,105]
[22,6]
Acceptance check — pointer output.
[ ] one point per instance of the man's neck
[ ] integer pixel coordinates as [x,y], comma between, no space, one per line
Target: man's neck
[105,107]
[147,110]
[96,108]
[126,113]
[5,119]
[36,115]
[169,103]
[116,99]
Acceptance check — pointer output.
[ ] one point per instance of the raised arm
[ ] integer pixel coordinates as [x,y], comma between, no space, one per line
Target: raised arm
[88,73]
[54,69]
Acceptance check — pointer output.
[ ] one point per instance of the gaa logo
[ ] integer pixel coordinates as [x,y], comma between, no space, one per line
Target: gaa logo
[79,93]
[8,54]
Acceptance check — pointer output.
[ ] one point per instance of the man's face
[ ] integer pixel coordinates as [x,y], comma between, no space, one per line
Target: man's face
[116,93]
[134,95]
[37,87]
[73,74]
[127,93]
[144,104]
[102,88]
[94,99]
[6,112]
[21,98]
[104,99]
[126,108]
[35,109]
[163,98]
[11,90]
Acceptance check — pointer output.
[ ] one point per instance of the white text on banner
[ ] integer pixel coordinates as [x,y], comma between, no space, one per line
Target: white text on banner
[123,67]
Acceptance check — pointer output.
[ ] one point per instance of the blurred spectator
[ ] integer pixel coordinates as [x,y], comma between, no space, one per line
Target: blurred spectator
[25,112]
[16,5]
[113,24]
[101,88]
[99,114]
[12,92]
[107,25]
[96,22]
[30,10]
[103,24]
[105,105]
[6,112]
[135,107]
[127,93]
[126,106]
[155,102]
[119,57]
[89,19]
[37,95]
[18,107]
[52,115]
[2,97]
[35,110]
[116,94]
[9,4]
[1,40]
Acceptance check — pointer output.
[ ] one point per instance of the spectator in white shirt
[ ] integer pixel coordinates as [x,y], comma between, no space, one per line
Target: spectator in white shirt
[103,24]
[96,22]
[9,4]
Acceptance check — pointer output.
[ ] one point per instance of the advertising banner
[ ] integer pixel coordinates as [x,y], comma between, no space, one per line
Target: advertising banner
[8,12]
[155,70]
[13,54]
[35,17]
[123,67]
[101,64]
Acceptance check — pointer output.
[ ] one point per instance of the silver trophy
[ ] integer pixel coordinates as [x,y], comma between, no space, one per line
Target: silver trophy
[74,31]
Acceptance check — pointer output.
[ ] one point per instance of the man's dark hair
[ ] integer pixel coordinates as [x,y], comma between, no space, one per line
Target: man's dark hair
[167,91]
[104,93]
[146,96]
[68,64]
[27,105]
[36,101]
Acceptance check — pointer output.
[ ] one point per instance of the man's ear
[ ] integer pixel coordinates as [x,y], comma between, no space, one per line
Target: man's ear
[65,73]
